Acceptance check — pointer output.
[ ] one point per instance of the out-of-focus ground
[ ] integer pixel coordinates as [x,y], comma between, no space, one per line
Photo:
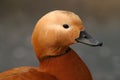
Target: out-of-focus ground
[101,18]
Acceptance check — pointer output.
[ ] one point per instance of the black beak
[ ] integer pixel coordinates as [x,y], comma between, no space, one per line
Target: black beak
[85,38]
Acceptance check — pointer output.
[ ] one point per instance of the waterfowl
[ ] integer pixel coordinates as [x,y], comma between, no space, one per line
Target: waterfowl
[51,38]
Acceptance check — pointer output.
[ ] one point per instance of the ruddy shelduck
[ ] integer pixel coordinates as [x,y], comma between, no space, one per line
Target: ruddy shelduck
[51,38]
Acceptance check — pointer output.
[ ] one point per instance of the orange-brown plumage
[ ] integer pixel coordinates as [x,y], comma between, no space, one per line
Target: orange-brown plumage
[67,67]
[51,38]
[25,73]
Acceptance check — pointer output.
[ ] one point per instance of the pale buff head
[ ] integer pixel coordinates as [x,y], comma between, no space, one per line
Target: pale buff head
[55,31]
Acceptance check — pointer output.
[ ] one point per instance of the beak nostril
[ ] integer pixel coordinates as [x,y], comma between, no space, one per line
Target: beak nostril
[84,36]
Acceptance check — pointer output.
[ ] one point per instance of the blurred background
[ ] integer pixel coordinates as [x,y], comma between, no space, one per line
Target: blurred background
[101,18]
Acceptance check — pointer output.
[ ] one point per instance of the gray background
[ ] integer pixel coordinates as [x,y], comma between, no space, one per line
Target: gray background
[101,18]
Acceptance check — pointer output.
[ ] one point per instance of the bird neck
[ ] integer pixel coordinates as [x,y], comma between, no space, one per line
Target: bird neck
[46,52]
[55,56]
[66,67]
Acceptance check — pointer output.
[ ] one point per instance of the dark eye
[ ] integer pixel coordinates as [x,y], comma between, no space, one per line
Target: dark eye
[66,26]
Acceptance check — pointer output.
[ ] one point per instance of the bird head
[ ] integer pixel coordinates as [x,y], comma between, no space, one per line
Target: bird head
[58,29]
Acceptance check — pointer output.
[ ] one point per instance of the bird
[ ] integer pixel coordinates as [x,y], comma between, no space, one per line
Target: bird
[51,39]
